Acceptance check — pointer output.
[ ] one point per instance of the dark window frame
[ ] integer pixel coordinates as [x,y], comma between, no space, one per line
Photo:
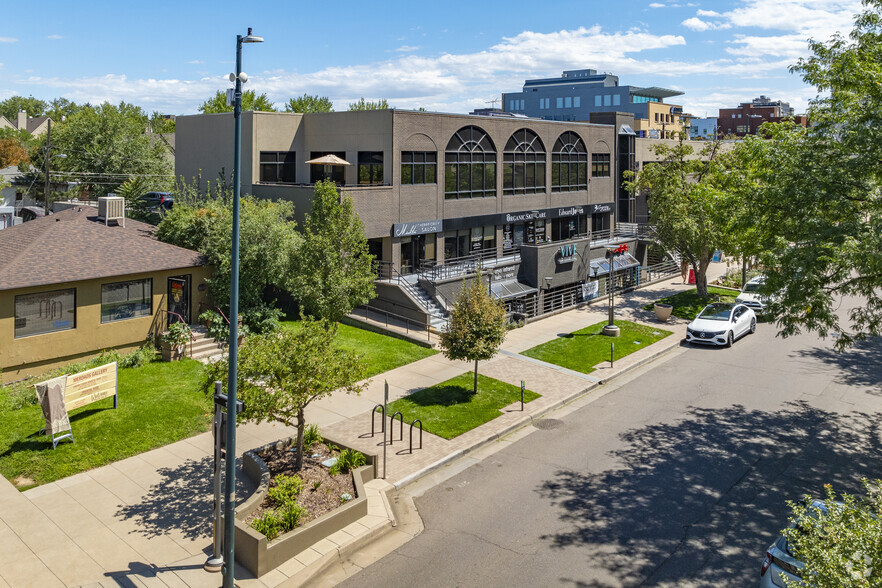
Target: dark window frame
[134,315]
[370,168]
[569,163]
[317,170]
[523,164]
[601,165]
[277,167]
[16,318]
[470,165]
[417,169]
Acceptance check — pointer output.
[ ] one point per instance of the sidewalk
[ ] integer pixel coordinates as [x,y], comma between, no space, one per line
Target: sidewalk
[145,520]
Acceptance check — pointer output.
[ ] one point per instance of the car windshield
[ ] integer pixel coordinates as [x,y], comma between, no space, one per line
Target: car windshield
[752,287]
[716,312]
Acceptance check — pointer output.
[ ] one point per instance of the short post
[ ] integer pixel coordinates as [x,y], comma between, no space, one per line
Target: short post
[216,561]
[385,406]
[612,348]
[522,396]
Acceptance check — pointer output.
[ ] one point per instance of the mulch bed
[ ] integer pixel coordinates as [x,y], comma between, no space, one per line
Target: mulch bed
[318,501]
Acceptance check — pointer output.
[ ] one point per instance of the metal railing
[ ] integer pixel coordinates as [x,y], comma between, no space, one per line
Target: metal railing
[383,317]
[387,271]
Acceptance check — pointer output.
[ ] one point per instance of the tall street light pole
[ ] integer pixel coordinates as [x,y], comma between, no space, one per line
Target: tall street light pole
[230,473]
[47,156]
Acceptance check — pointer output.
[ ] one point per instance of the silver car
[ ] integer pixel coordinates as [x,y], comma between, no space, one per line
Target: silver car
[779,561]
[750,295]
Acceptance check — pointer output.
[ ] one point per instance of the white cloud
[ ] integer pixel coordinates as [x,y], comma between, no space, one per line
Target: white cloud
[8,40]
[407,48]
[54,37]
[696,24]
[196,62]
[711,13]
[789,46]
[656,5]
[811,18]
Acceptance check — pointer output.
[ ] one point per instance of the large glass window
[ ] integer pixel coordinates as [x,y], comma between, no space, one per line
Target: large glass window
[45,312]
[569,164]
[277,167]
[319,172]
[370,168]
[470,165]
[570,227]
[600,165]
[125,300]
[473,242]
[523,164]
[418,167]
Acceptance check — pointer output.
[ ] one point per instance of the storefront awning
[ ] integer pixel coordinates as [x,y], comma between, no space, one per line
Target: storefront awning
[621,262]
[505,289]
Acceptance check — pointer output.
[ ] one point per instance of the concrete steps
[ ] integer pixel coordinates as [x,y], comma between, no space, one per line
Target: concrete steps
[203,346]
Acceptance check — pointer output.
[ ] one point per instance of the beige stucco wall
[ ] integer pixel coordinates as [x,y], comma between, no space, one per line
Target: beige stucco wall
[37,354]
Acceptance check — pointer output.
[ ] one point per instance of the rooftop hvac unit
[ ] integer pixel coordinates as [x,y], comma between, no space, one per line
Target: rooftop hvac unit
[112,207]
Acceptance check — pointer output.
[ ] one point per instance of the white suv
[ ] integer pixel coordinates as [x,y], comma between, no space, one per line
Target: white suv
[750,295]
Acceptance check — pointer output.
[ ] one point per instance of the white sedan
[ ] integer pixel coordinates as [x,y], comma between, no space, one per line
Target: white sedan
[720,324]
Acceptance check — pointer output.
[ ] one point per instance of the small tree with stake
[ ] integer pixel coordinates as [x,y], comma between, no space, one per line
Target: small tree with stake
[280,374]
[476,328]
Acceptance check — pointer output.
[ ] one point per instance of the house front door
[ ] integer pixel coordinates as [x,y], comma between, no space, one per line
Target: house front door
[179,299]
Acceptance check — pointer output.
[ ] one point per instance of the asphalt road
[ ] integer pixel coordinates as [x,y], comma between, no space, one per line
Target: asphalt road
[677,477]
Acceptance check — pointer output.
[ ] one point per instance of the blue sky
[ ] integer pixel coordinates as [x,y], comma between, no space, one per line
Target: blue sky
[452,56]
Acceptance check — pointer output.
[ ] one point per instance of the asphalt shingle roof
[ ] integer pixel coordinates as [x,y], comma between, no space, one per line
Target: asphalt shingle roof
[74,245]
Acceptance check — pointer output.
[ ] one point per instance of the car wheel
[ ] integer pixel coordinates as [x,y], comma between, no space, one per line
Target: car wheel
[752,326]
[730,339]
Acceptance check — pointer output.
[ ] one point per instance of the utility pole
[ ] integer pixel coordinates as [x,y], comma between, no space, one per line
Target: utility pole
[46,166]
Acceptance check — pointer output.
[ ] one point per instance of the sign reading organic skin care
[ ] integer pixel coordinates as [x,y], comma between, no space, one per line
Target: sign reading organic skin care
[90,386]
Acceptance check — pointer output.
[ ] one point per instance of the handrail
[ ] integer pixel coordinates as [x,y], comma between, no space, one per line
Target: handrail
[223,315]
[395,275]
[386,314]
[192,337]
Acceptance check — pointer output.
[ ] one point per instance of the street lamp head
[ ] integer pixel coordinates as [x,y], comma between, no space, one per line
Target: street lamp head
[249,38]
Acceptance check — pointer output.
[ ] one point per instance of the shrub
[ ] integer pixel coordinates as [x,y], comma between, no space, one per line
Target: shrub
[286,490]
[216,324]
[262,319]
[291,516]
[269,524]
[178,335]
[311,436]
[142,356]
[349,459]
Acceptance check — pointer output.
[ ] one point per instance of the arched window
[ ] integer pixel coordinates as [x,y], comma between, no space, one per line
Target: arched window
[469,165]
[569,164]
[523,164]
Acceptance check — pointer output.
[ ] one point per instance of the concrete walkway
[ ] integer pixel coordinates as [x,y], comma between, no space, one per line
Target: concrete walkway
[145,520]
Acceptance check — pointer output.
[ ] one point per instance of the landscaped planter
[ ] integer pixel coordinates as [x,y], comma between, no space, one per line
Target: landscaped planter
[663,311]
[252,549]
[170,353]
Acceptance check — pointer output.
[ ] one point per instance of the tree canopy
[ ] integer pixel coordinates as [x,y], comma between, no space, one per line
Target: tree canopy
[250,101]
[267,238]
[476,328]
[819,214]
[105,145]
[282,373]
[362,104]
[12,105]
[332,270]
[309,103]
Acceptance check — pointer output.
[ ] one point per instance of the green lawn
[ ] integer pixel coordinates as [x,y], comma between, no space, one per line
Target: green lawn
[585,348]
[381,352]
[687,304]
[159,403]
[450,409]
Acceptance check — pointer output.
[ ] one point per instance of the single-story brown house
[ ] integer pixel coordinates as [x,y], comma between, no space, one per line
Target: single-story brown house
[72,286]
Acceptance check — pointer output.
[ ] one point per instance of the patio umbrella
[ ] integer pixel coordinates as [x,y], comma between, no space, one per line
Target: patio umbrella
[328,160]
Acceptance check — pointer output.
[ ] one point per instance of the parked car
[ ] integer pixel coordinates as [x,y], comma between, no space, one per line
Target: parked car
[158,200]
[779,561]
[750,295]
[721,323]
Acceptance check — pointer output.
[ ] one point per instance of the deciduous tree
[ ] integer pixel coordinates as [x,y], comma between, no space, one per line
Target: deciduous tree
[362,104]
[476,328]
[12,105]
[332,270]
[309,103]
[250,101]
[282,373]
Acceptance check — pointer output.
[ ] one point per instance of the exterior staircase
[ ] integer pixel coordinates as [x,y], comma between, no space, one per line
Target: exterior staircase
[435,313]
[204,348]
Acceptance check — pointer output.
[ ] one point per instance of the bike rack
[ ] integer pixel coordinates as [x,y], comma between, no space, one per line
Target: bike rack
[392,427]
[382,418]
[415,421]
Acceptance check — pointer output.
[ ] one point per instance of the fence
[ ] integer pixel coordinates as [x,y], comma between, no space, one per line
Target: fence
[387,319]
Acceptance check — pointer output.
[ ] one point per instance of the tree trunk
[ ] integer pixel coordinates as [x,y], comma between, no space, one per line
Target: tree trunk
[475,390]
[301,426]
[743,270]
[701,274]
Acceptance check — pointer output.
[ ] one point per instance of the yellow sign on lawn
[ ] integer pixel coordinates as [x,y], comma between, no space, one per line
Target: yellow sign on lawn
[90,386]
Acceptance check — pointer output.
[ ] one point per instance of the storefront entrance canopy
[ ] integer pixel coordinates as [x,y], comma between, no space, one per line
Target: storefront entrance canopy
[600,267]
[505,289]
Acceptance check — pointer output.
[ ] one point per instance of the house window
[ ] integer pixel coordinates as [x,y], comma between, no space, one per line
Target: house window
[523,164]
[568,101]
[600,165]
[125,300]
[607,100]
[45,312]
[418,167]
[617,100]
[569,164]
[577,101]
[598,100]
[559,102]
[370,168]
[277,167]
[469,165]
[319,172]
